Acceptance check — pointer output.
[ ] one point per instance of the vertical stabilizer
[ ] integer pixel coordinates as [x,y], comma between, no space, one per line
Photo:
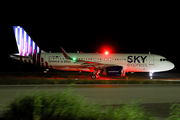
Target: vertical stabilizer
[26,46]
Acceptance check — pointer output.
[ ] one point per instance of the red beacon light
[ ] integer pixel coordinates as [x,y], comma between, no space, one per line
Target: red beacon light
[106,52]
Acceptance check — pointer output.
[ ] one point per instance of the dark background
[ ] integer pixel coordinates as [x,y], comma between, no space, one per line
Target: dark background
[122,29]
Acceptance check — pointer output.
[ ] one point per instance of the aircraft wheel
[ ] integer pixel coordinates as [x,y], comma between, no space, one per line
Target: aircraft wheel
[93,76]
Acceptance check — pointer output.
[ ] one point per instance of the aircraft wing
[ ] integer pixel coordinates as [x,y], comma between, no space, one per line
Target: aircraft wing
[85,62]
[89,62]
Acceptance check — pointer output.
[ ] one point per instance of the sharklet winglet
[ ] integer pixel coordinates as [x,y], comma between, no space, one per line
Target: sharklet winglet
[65,54]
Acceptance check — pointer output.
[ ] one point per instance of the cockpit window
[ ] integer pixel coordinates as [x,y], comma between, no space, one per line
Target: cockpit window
[163,59]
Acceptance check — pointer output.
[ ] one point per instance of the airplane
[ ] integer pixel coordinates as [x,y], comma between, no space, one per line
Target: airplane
[110,64]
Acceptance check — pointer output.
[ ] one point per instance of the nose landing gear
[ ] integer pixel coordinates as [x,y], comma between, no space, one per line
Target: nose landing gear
[151,75]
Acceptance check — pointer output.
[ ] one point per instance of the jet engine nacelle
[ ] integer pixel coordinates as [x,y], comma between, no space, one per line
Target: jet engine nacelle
[113,71]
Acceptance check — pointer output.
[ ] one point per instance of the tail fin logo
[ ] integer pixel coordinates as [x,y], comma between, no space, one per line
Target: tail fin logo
[26,46]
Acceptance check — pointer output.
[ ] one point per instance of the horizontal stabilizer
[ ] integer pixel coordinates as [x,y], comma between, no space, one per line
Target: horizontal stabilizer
[21,56]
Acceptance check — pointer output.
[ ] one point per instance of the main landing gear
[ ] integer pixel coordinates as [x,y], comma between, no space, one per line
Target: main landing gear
[123,74]
[46,71]
[95,74]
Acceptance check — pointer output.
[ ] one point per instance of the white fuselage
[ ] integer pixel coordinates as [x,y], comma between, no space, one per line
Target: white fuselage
[130,62]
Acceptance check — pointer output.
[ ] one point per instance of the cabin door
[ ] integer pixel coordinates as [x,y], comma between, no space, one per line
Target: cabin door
[151,60]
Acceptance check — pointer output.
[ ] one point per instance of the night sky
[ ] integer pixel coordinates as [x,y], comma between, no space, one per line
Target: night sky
[133,31]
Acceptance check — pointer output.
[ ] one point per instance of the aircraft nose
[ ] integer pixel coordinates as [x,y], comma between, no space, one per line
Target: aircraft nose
[171,65]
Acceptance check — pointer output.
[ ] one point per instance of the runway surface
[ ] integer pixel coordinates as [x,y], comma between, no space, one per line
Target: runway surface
[155,98]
